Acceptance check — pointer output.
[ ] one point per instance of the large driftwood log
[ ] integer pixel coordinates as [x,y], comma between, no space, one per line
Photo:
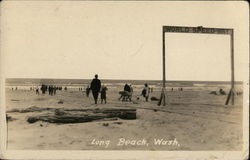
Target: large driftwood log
[79,116]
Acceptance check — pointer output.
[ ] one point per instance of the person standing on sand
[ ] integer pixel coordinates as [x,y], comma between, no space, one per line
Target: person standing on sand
[37,90]
[49,89]
[87,91]
[146,91]
[103,94]
[43,89]
[127,92]
[54,90]
[95,87]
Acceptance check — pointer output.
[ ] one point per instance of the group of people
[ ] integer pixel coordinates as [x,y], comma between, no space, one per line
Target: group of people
[127,93]
[179,89]
[51,89]
[96,88]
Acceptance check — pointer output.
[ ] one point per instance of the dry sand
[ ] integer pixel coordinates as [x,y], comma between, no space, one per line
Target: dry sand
[196,119]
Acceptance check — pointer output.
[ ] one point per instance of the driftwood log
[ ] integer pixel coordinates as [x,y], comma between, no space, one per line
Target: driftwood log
[80,116]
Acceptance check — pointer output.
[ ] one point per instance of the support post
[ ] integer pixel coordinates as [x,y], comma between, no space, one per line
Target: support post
[164,69]
[231,92]
[232,65]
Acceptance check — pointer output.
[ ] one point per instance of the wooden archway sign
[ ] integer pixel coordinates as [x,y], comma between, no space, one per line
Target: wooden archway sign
[199,30]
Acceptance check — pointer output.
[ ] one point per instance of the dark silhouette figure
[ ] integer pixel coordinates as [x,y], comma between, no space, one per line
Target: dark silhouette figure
[87,91]
[51,90]
[125,94]
[37,91]
[127,88]
[103,94]
[145,92]
[54,89]
[43,89]
[95,87]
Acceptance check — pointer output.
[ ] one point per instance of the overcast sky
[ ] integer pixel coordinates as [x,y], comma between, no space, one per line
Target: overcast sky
[121,40]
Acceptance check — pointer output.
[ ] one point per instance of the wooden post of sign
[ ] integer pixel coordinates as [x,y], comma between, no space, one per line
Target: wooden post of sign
[163,92]
[164,69]
[231,92]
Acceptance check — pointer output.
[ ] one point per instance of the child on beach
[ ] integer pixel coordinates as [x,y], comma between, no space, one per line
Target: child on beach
[145,92]
[103,94]
[37,91]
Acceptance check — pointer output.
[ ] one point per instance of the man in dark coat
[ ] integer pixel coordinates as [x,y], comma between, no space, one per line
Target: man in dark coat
[95,87]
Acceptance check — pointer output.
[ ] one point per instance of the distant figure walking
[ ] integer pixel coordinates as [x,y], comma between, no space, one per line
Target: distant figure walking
[103,94]
[43,89]
[95,87]
[51,90]
[145,91]
[87,91]
[54,90]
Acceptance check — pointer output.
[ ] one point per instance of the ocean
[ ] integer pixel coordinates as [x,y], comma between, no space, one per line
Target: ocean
[78,83]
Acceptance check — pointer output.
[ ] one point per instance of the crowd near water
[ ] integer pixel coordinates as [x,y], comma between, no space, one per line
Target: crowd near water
[99,90]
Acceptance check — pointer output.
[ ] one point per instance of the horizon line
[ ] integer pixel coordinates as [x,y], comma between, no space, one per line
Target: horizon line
[133,79]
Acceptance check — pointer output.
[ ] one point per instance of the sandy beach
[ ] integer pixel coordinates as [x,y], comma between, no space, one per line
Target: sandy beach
[193,119]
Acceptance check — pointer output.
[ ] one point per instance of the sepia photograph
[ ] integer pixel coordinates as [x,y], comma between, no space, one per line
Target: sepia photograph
[139,79]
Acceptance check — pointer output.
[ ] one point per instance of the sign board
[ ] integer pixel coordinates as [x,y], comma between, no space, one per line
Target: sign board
[200,29]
